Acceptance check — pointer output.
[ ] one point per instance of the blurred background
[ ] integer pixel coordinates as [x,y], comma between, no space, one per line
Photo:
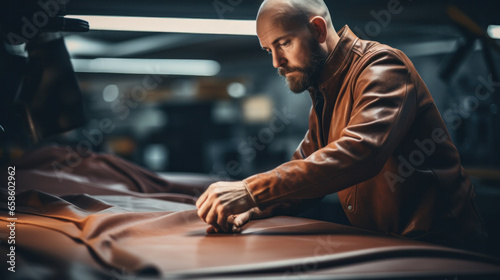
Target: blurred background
[191,94]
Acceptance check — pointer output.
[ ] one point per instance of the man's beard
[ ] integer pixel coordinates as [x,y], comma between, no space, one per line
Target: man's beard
[310,73]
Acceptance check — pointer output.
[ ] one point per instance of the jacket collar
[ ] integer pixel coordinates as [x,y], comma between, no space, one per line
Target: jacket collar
[336,63]
[339,57]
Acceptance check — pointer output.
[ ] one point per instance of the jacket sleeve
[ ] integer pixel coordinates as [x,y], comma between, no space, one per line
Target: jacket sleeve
[295,206]
[384,107]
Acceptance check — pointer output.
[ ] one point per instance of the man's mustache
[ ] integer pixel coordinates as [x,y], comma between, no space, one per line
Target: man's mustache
[282,71]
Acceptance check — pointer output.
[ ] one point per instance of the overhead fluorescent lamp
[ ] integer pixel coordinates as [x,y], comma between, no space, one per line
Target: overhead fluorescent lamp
[184,67]
[176,25]
[494,31]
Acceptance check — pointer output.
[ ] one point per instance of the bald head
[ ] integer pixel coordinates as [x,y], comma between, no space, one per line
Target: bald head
[295,11]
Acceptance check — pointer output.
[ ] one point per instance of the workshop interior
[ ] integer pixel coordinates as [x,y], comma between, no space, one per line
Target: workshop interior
[123,112]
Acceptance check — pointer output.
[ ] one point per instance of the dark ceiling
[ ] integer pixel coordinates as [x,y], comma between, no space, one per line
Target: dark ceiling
[416,11]
[418,21]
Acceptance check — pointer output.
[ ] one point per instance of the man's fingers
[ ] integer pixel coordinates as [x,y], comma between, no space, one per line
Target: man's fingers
[222,221]
[230,219]
[236,229]
[211,219]
[242,218]
[237,221]
[211,229]
[201,200]
[203,211]
[234,223]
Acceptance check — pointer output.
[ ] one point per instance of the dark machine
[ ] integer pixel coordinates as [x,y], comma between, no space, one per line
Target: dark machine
[39,96]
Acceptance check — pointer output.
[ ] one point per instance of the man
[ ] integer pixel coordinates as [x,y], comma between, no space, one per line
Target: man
[375,137]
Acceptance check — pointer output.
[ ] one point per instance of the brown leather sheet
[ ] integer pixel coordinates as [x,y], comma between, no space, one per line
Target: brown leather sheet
[114,217]
[61,171]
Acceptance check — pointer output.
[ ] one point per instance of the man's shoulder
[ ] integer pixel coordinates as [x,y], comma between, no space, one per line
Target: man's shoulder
[369,49]
[370,52]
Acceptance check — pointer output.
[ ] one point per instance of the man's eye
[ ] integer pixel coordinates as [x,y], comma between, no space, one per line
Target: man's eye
[284,44]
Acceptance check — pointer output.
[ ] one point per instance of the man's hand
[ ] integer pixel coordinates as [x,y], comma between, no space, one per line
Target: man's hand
[236,222]
[221,200]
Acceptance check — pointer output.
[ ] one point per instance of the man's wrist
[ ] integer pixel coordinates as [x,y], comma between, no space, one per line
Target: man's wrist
[250,194]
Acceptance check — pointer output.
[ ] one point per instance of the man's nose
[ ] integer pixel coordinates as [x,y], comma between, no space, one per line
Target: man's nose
[278,60]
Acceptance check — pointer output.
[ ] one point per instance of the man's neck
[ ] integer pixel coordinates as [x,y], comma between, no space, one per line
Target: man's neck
[332,39]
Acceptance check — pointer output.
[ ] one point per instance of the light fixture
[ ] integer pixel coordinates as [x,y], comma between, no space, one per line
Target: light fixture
[176,25]
[494,31]
[185,67]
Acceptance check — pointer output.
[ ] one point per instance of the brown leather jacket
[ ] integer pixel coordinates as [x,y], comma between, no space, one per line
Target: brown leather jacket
[382,145]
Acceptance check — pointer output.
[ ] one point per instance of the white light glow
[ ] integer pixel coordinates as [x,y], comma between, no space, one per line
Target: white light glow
[494,31]
[176,25]
[184,67]
[236,90]
[79,45]
[110,93]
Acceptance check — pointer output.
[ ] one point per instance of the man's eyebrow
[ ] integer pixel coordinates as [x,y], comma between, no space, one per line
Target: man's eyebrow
[275,41]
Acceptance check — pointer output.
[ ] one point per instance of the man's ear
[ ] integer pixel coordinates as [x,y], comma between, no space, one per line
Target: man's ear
[318,28]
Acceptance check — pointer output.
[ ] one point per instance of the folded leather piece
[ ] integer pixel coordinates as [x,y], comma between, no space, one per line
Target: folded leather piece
[96,216]
[62,171]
